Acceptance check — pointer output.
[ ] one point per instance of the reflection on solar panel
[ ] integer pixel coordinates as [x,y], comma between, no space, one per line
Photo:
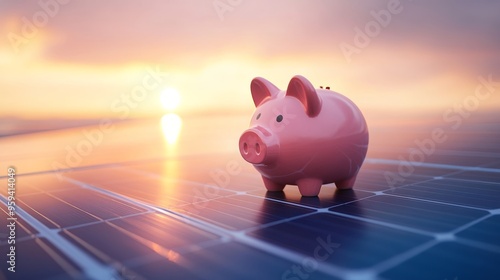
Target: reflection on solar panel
[135,206]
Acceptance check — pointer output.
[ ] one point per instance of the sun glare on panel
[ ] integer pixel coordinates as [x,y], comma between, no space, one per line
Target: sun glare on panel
[171,123]
[171,126]
[170,98]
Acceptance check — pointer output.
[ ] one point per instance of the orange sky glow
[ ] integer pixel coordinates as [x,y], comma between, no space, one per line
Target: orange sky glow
[92,59]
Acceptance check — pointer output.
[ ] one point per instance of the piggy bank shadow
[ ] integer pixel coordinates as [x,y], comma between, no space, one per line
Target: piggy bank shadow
[329,196]
[283,204]
[301,234]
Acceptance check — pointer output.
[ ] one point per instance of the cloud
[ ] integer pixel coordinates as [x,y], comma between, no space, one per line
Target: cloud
[182,32]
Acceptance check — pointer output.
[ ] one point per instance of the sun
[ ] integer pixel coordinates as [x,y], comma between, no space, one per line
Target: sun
[170,98]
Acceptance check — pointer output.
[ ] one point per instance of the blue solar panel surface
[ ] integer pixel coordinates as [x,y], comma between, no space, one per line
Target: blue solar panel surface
[137,207]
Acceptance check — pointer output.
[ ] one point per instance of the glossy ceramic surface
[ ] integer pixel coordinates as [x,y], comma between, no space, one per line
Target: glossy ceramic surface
[304,136]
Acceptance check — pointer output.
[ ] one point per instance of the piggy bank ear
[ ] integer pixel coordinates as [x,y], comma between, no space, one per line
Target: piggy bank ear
[262,90]
[300,88]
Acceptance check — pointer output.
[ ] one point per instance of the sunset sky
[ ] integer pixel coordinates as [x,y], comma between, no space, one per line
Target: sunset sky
[89,59]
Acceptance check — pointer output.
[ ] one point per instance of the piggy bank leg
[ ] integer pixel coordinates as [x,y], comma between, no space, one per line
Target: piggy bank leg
[272,186]
[309,186]
[346,184]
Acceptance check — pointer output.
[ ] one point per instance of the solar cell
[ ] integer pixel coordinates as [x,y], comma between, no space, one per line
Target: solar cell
[38,259]
[352,244]
[486,231]
[460,192]
[240,212]
[417,214]
[448,260]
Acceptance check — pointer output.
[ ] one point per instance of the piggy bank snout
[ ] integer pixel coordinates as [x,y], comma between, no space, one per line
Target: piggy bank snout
[256,146]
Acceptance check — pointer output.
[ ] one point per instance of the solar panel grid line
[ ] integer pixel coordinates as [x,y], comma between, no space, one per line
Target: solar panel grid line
[60,260]
[485,231]
[203,245]
[185,219]
[153,175]
[479,245]
[325,269]
[280,201]
[387,264]
[96,218]
[433,201]
[55,223]
[469,180]
[136,246]
[445,260]
[399,181]
[18,239]
[71,205]
[241,217]
[106,220]
[433,165]
[229,235]
[41,191]
[137,237]
[101,207]
[264,246]
[211,184]
[106,192]
[356,200]
[151,258]
[438,165]
[293,256]
[129,164]
[90,266]
[485,195]
[95,253]
[385,224]
[179,180]
[215,223]
[429,217]
[192,195]
[333,266]
[270,224]
[61,171]
[468,153]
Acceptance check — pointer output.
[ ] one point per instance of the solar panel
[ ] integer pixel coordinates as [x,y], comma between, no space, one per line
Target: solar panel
[138,207]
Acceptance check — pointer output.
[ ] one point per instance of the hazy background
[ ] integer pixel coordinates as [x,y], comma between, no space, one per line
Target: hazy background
[81,61]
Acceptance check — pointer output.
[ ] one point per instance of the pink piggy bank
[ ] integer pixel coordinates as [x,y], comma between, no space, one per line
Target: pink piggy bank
[304,136]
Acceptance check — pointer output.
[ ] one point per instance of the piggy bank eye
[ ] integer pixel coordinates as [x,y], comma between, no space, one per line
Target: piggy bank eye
[258,116]
[279,118]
